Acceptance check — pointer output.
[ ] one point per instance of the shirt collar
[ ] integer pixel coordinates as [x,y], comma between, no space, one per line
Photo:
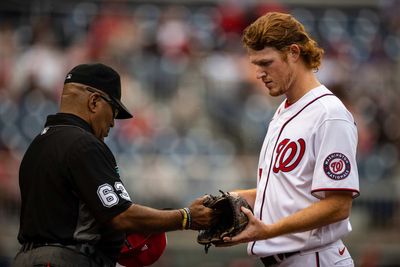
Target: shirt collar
[67,119]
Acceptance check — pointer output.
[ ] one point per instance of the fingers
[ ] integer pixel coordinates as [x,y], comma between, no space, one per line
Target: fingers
[246,211]
[202,217]
[227,239]
[198,201]
[225,244]
[234,240]
[241,237]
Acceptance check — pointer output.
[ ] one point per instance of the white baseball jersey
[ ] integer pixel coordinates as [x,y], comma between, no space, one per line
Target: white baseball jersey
[310,148]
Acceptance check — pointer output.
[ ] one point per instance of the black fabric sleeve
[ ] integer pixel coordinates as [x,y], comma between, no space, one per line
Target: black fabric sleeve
[95,174]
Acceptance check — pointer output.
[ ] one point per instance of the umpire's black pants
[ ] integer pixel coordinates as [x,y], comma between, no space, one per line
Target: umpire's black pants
[54,256]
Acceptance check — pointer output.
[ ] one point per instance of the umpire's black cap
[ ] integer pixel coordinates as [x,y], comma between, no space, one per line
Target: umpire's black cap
[103,78]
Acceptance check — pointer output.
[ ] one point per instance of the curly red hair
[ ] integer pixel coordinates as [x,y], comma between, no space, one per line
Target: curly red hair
[280,30]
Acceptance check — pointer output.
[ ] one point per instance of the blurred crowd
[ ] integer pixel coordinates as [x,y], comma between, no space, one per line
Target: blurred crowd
[199,113]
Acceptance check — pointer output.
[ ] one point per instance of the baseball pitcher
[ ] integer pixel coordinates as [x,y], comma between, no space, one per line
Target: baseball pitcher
[307,172]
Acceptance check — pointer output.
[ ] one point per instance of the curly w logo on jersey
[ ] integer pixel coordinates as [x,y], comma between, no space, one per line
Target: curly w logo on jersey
[289,154]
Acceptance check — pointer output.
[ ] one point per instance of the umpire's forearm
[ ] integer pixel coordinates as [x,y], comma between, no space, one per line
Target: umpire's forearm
[143,219]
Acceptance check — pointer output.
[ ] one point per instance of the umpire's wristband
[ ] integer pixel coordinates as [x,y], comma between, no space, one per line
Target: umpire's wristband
[189,218]
[184,218]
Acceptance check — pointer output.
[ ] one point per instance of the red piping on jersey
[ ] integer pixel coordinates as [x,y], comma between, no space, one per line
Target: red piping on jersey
[287,104]
[357,193]
[270,164]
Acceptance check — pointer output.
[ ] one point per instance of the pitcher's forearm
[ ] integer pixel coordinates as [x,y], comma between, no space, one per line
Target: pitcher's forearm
[248,194]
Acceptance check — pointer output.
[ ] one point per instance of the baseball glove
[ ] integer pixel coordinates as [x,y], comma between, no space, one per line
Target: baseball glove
[230,219]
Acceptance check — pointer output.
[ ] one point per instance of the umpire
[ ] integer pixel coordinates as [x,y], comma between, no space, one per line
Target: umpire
[75,209]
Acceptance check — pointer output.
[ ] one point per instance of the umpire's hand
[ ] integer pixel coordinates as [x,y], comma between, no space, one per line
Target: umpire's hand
[201,216]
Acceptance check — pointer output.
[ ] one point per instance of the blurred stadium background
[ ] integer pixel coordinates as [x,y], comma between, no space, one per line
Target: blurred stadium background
[199,114]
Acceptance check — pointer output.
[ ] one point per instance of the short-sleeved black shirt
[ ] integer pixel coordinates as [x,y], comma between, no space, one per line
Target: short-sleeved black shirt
[70,187]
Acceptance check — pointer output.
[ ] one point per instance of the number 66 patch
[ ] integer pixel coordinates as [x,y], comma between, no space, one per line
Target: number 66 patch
[109,196]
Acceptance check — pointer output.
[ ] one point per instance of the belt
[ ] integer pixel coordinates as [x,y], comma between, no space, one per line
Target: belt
[83,248]
[274,259]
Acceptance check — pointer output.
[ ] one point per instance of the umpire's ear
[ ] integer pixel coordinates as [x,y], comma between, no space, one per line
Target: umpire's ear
[92,102]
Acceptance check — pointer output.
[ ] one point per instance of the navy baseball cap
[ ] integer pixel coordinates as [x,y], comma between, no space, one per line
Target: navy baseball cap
[103,78]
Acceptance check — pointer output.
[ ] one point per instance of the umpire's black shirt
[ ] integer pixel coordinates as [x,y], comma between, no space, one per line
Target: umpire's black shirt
[70,187]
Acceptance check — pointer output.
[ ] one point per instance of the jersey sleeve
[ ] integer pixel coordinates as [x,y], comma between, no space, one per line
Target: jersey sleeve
[335,150]
[95,176]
